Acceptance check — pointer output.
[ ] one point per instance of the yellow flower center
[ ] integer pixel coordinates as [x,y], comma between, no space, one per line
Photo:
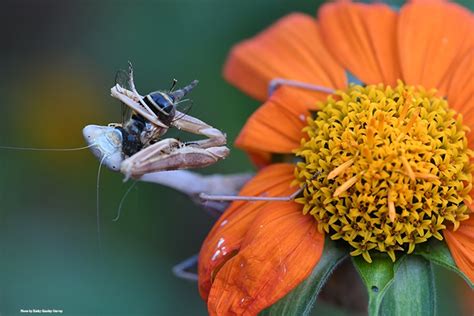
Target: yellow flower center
[385,168]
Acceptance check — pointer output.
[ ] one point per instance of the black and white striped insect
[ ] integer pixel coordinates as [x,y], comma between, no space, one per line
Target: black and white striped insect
[136,147]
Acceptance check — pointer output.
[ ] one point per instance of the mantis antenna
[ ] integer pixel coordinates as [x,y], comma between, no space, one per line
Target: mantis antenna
[99,239]
[119,211]
[46,149]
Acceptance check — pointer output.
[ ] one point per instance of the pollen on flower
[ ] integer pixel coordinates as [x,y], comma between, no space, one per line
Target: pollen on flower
[385,168]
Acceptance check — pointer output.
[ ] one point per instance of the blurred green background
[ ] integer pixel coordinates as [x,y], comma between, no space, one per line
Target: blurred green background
[58,62]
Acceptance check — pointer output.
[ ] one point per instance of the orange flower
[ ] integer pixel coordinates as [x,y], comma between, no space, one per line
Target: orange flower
[259,251]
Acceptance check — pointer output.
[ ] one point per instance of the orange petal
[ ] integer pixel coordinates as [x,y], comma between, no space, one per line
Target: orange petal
[461,89]
[363,38]
[426,1]
[279,251]
[292,49]
[471,193]
[227,234]
[259,158]
[276,127]
[461,245]
[431,38]
[465,51]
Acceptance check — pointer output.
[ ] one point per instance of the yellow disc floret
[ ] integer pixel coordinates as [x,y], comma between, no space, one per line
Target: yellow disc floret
[385,168]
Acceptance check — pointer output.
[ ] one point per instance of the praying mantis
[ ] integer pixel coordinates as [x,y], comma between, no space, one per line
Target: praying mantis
[135,147]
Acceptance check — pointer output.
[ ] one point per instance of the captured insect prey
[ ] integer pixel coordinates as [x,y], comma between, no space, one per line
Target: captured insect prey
[136,147]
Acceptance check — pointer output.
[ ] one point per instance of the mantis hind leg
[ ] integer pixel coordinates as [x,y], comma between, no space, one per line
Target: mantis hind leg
[275,83]
[181,269]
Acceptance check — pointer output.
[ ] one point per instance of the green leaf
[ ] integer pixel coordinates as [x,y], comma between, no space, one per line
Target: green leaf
[412,291]
[405,287]
[301,300]
[438,252]
[377,277]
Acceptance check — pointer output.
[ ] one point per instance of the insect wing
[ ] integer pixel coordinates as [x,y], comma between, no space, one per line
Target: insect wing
[183,107]
[123,78]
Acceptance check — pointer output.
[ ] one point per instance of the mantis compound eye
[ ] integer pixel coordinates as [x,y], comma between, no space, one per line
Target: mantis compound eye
[106,144]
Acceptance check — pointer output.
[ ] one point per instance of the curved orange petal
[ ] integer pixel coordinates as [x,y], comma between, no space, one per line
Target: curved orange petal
[431,38]
[276,127]
[292,49]
[467,48]
[426,1]
[259,158]
[363,38]
[461,89]
[227,234]
[279,251]
[461,245]
[471,194]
